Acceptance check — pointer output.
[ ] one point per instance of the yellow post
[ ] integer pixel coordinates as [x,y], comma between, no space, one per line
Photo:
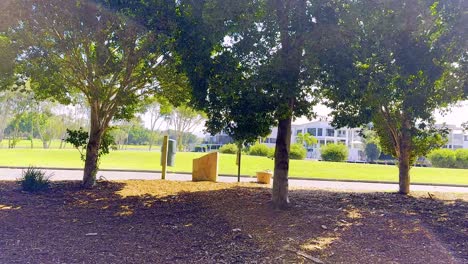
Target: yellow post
[164,157]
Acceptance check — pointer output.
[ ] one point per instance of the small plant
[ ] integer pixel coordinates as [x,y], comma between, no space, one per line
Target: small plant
[79,140]
[34,180]
[228,149]
[334,152]
[259,150]
[297,152]
[271,153]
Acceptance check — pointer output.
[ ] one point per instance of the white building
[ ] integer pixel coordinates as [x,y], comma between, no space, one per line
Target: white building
[325,134]
[457,137]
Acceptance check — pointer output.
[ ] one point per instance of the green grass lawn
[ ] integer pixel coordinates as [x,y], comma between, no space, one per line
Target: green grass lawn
[144,160]
[55,144]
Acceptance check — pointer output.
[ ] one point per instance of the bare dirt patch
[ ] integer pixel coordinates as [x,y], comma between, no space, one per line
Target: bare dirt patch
[184,222]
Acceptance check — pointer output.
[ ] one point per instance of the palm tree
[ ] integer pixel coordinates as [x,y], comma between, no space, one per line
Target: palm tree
[306,139]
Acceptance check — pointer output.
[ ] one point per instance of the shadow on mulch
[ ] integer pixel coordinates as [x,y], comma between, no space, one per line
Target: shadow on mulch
[232,224]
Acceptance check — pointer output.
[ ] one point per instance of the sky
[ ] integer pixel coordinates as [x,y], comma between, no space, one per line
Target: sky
[457,115]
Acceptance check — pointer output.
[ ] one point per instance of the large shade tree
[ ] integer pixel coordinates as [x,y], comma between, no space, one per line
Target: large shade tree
[79,47]
[394,63]
[252,66]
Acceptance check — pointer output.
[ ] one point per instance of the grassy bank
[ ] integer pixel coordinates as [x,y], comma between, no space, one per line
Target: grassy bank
[144,160]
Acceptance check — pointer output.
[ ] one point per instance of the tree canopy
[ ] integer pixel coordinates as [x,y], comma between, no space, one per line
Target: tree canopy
[252,65]
[396,62]
[80,47]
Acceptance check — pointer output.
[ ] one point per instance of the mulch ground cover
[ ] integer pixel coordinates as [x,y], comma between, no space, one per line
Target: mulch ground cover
[184,222]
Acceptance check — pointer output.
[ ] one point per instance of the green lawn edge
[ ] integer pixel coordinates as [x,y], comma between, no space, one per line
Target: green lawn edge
[301,169]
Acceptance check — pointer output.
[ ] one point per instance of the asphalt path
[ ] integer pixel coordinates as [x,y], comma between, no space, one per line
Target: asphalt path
[10,174]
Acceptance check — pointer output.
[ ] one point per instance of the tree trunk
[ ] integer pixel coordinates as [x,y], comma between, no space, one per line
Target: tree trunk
[92,151]
[404,162]
[280,179]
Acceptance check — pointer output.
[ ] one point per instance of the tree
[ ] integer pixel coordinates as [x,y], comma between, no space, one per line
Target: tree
[184,120]
[371,141]
[8,103]
[373,151]
[80,47]
[158,112]
[252,66]
[18,116]
[137,133]
[7,60]
[306,139]
[395,62]
[48,127]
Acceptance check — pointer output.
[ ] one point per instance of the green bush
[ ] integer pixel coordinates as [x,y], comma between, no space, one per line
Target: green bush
[259,150]
[33,180]
[461,158]
[228,149]
[271,153]
[334,152]
[298,152]
[443,158]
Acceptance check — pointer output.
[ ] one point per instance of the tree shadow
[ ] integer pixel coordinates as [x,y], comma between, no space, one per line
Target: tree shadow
[180,222]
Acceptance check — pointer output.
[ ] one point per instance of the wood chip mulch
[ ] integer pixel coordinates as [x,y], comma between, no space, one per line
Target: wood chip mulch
[184,222]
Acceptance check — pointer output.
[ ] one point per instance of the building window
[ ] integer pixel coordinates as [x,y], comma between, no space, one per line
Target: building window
[330,132]
[322,142]
[466,138]
[341,133]
[273,140]
[298,131]
[312,131]
[320,132]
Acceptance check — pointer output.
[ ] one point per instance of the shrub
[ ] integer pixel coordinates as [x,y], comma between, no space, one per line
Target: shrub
[228,149]
[443,158]
[372,151]
[334,152]
[33,180]
[298,152]
[271,153]
[259,150]
[461,156]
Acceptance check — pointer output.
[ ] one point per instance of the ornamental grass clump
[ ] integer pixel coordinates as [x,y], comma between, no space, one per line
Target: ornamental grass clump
[34,180]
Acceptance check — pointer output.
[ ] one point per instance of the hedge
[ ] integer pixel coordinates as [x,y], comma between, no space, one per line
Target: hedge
[259,150]
[334,152]
[228,149]
[448,158]
[298,152]
[443,158]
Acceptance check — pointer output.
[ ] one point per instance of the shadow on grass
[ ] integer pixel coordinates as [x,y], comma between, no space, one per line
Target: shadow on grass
[168,222]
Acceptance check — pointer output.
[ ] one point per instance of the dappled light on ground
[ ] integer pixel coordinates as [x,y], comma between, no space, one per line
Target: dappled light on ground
[162,188]
[9,207]
[185,222]
[319,243]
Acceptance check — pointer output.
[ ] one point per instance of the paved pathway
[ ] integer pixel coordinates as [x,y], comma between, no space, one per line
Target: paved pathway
[13,174]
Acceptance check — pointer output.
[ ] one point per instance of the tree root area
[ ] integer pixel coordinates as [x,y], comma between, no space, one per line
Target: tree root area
[185,222]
